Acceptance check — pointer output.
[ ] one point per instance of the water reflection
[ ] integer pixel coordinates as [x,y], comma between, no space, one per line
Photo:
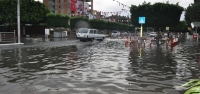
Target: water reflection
[107,67]
[22,65]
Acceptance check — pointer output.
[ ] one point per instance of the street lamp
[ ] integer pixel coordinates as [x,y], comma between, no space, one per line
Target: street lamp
[18,19]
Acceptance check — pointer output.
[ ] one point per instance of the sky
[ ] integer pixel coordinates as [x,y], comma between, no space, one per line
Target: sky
[113,5]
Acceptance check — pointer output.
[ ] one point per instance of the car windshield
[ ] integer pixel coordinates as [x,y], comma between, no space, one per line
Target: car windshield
[115,32]
[83,31]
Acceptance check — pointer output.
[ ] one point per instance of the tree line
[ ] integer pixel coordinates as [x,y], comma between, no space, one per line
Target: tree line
[158,16]
[36,13]
[161,15]
[59,20]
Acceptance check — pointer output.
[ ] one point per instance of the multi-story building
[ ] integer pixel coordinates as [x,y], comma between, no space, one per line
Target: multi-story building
[96,14]
[69,7]
[58,6]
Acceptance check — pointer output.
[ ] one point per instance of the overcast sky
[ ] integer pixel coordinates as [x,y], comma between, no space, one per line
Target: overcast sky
[113,6]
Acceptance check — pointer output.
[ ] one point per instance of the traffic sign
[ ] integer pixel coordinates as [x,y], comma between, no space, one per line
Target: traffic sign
[142,20]
[167,28]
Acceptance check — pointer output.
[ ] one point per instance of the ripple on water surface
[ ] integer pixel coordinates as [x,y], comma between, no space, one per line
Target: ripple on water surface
[107,67]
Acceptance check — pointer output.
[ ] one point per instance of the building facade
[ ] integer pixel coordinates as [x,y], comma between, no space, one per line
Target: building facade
[70,7]
[58,6]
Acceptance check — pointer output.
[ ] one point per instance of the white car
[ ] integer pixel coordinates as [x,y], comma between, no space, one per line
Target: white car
[153,34]
[165,34]
[115,34]
[86,34]
[125,33]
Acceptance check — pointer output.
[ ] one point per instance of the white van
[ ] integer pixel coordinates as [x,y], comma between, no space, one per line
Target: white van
[85,34]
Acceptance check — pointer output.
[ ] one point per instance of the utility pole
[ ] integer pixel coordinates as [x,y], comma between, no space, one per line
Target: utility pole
[18,19]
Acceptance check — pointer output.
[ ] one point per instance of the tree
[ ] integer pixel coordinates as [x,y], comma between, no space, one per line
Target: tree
[192,13]
[31,12]
[181,27]
[79,22]
[8,13]
[98,24]
[57,20]
[158,15]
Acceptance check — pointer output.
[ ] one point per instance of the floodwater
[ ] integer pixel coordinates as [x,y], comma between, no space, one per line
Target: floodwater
[107,67]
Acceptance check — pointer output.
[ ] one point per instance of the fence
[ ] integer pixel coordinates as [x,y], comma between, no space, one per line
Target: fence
[7,37]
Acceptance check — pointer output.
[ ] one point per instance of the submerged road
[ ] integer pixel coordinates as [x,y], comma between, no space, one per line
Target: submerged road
[99,67]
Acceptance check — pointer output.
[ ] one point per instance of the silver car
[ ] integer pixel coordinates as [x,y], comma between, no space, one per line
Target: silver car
[153,34]
[115,34]
[86,34]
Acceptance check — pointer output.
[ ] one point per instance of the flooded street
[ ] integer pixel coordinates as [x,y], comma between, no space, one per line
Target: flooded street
[99,67]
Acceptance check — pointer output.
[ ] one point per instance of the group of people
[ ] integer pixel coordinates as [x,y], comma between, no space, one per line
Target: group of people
[169,34]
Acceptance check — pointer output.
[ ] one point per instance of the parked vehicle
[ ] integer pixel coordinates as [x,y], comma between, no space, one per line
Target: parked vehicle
[165,34]
[86,34]
[125,33]
[115,34]
[153,34]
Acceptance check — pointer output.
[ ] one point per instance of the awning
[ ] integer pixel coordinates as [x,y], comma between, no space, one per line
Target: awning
[195,24]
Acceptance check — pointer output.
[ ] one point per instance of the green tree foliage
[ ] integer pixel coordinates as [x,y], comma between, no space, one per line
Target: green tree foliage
[180,27]
[98,24]
[112,26]
[131,28]
[75,20]
[118,26]
[57,20]
[8,13]
[123,26]
[192,13]
[158,15]
[31,12]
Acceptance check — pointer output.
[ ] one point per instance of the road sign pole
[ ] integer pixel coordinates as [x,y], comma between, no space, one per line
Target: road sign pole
[141,21]
[141,31]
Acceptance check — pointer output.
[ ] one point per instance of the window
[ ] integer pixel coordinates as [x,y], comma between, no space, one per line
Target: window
[91,31]
[95,32]
[99,32]
[83,31]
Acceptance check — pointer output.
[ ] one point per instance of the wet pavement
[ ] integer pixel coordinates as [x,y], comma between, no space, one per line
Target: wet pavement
[68,66]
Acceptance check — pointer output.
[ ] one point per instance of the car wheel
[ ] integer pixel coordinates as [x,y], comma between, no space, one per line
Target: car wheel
[92,39]
[102,39]
[83,40]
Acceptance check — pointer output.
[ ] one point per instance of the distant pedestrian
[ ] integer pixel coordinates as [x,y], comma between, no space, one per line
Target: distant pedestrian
[168,34]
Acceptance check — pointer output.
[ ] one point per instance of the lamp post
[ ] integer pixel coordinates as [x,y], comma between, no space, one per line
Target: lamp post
[18,19]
